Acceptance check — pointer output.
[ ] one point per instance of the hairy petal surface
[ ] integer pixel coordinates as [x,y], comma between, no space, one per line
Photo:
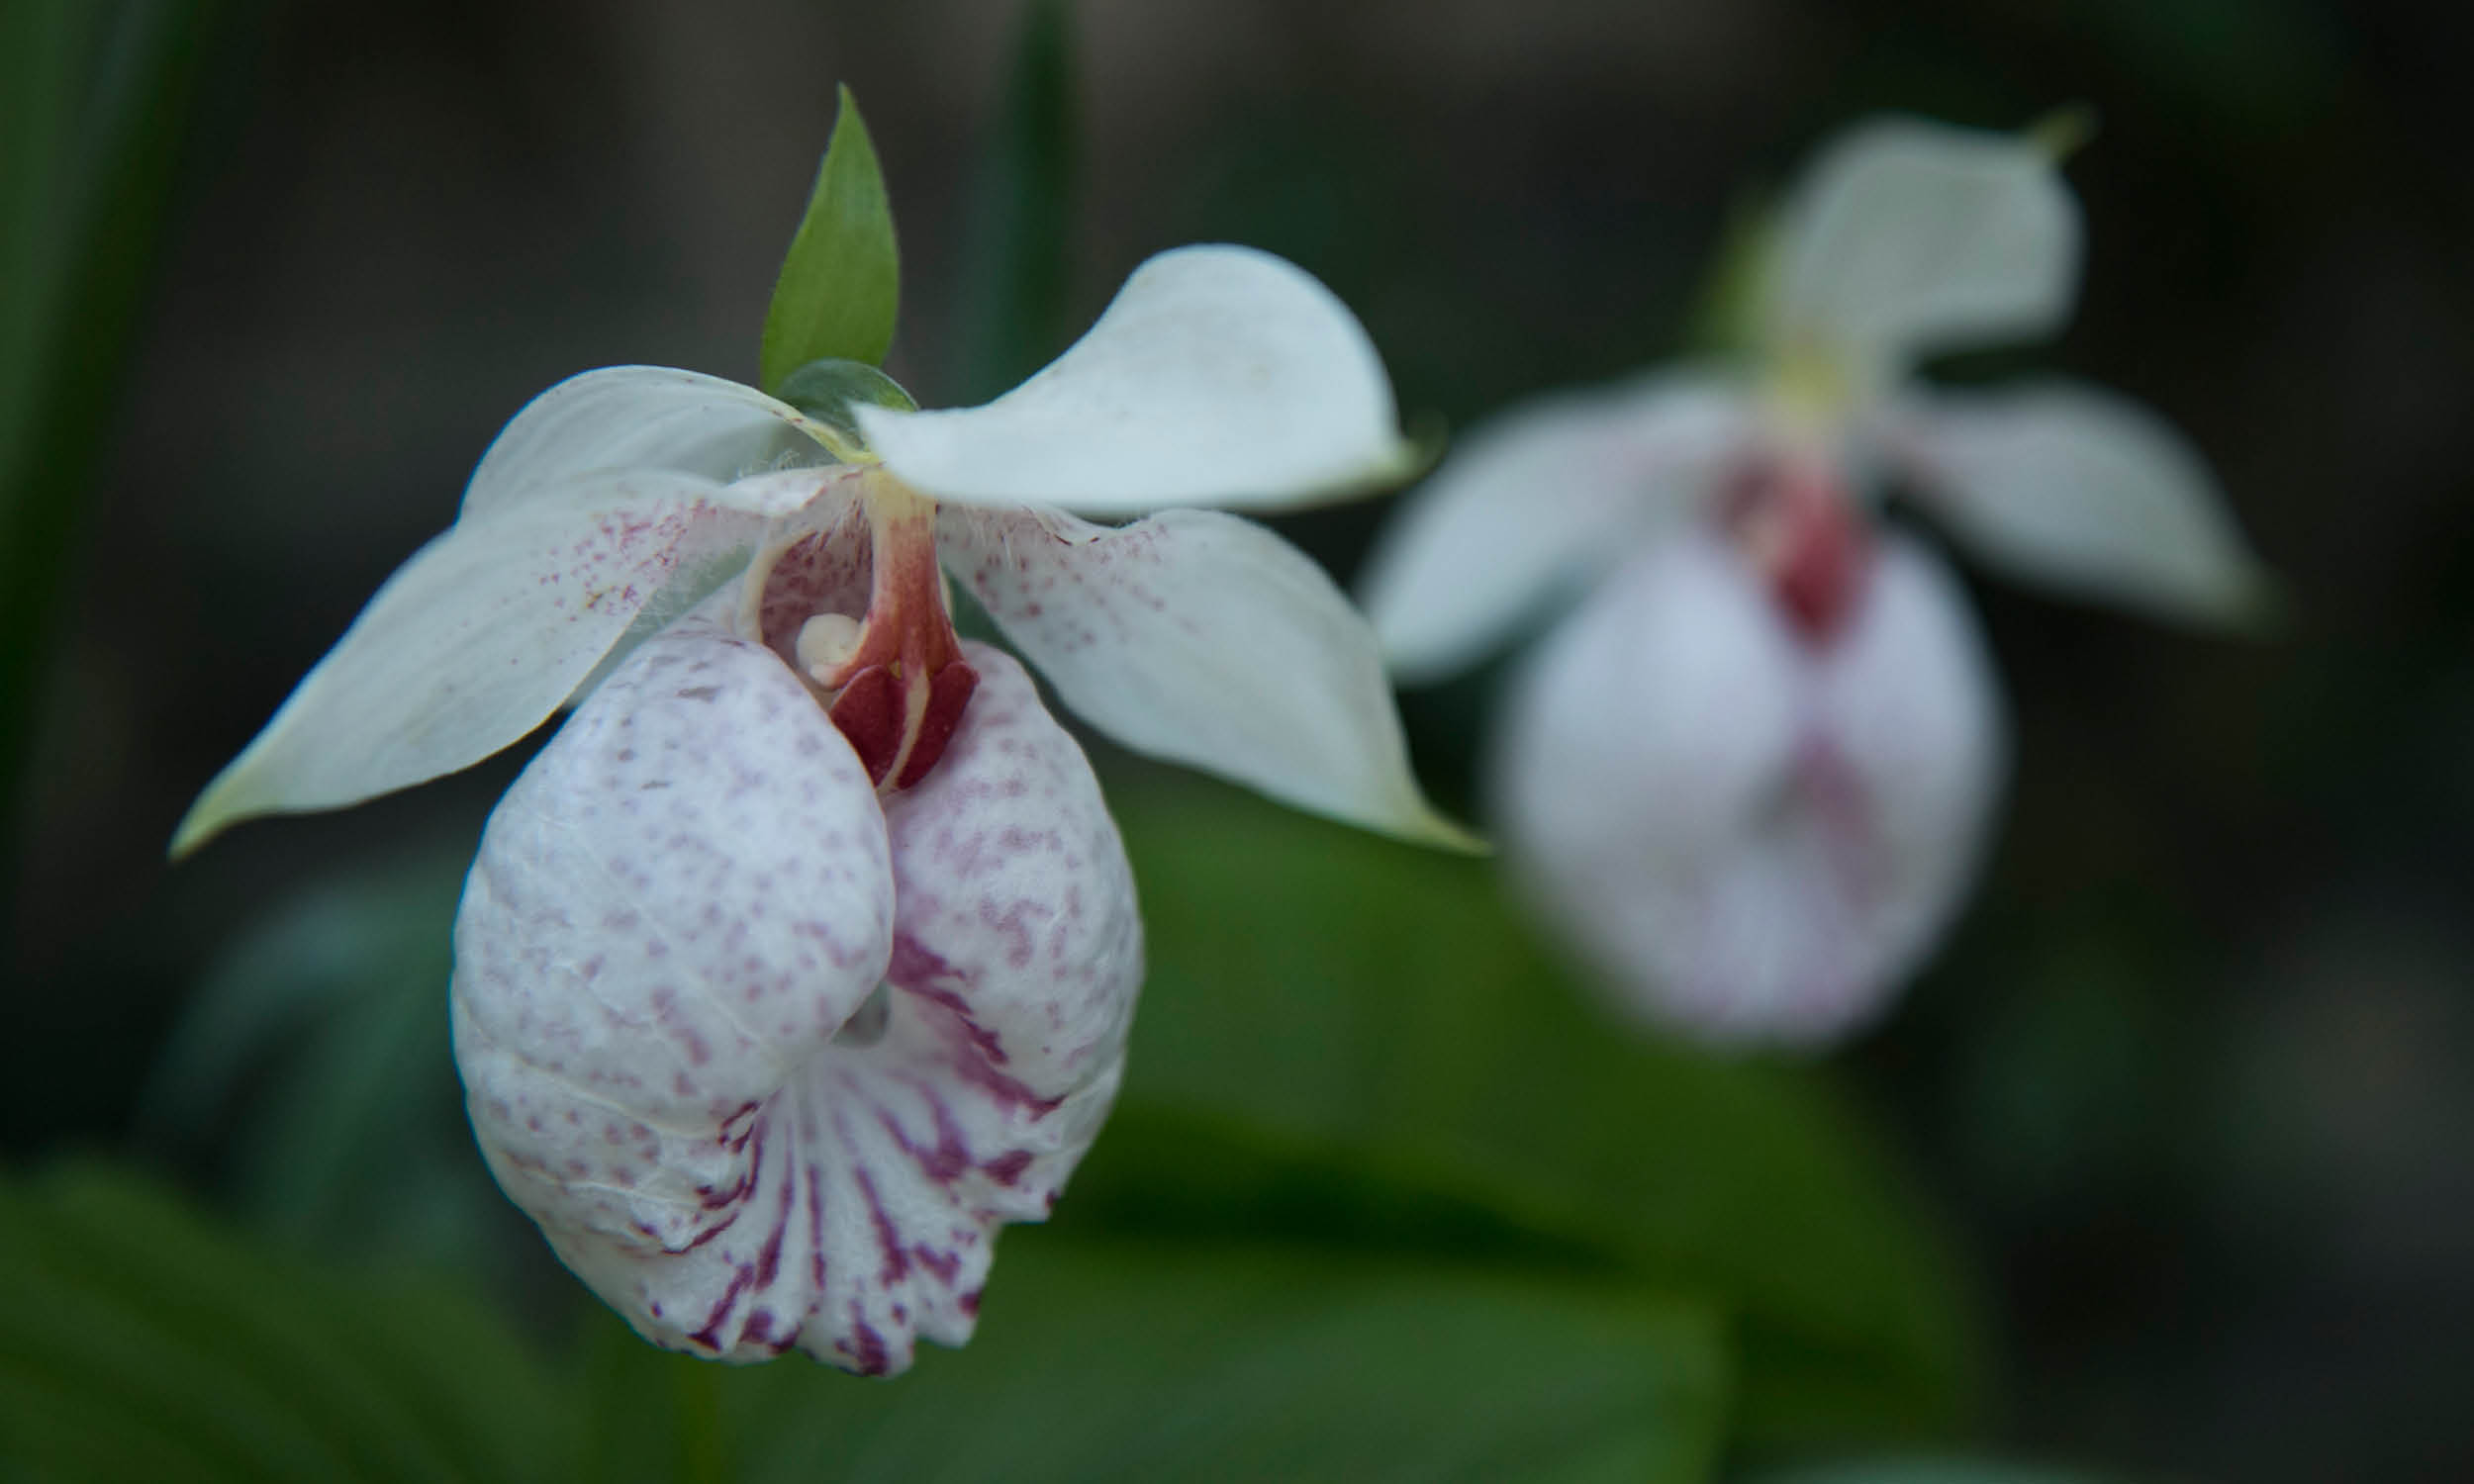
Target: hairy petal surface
[2083,492]
[1204,639]
[475,641]
[1754,838]
[1219,375]
[633,417]
[677,1053]
[1548,495]
[1904,238]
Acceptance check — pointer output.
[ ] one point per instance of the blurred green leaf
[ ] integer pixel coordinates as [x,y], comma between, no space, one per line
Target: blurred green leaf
[1342,994]
[841,280]
[1131,1361]
[93,99]
[316,1049]
[1928,1471]
[137,1342]
[1015,276]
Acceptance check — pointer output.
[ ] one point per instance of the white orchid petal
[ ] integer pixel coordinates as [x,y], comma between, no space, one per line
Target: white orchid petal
[473,643]
[633,418]
[1755,839]
[1904,238]
[2084,493]
[1219,375]
[1546,495]
[676,914]
[1207,640]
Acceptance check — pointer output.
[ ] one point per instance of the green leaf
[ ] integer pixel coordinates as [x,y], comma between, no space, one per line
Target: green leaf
[94,107]
[315,1055]
[1376,1004]
[139,1341]
[1138,1362]
[1929,1471]
[1014,279]
[842,277]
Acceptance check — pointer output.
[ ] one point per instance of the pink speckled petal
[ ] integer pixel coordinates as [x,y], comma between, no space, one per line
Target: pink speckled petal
[1753,839]
[676,911]
[644,418]
[1207,640]
[1547,495]
[475,641]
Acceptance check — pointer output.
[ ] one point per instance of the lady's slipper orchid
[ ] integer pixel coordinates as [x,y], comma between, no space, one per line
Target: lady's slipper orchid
[1752,775]
[802,957]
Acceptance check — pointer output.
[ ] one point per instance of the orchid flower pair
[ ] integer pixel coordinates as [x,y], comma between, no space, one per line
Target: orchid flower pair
[802,957]
[1751,775]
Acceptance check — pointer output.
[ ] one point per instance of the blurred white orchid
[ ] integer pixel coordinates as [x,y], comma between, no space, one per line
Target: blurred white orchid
[802,957]
[1750,777]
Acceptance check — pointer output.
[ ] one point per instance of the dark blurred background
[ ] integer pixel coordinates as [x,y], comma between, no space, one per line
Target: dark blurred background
[2196,1074]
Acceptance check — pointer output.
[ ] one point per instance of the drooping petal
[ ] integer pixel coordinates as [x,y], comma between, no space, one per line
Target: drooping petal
[664,1015]
[476,640]
[1219,375]
[1546,495]
[1204,639]
[2076,490]
[1755,839]
[640,417]
[1904,238]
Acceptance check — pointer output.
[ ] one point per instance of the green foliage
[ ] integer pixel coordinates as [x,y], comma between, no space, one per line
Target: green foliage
[137,1342]
[842,281]
[1114,1361]
[318,1044]
[1015,273]
[1929,1471]
[93,99]
[1377,1010]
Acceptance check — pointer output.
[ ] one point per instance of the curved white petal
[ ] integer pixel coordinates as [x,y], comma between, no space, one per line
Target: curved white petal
[634,418]
[1219,375]
[1755,839]
[1546,495]
[2086,493]
[1204,639]
[1905,237]
[474,642]
[663,1012]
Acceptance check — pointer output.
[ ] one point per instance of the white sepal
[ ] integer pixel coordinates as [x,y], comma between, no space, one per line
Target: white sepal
[1203,639]
[1544,498]
[2084,493]
[472,643]
[1219,375]
[638,418]
[1904,238]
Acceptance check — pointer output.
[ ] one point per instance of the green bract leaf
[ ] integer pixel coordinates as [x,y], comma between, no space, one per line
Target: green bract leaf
[1339,994]
[1100,1361]
[137,1342]
[842,277]
[828,390]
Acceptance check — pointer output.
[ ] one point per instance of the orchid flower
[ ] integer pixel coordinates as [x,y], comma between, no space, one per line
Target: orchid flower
[802,957]
[1751,775]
